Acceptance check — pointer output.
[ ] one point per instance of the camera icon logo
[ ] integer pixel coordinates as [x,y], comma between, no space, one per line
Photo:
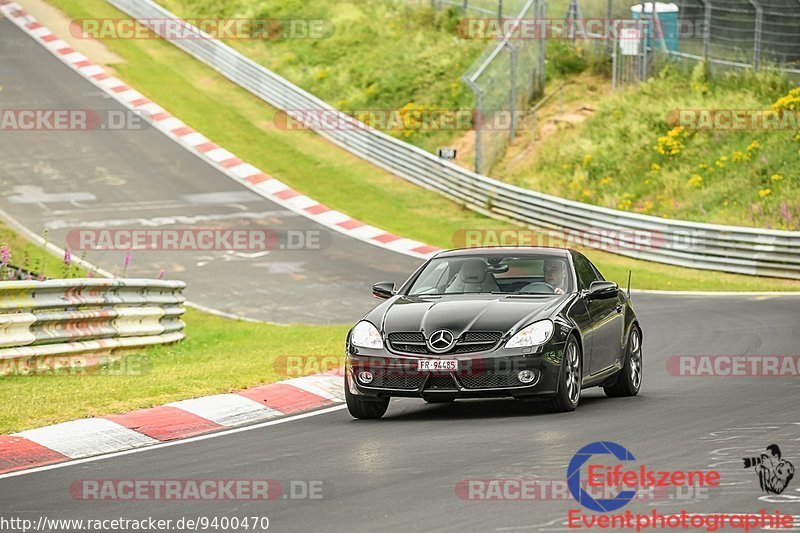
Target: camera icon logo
[774,473]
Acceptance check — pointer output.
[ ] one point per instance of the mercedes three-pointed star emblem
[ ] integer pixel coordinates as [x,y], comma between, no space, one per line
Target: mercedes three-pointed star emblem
[440,341]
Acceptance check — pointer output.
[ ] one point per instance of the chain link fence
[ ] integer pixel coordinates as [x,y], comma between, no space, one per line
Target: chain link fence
[751,34]
[505,80]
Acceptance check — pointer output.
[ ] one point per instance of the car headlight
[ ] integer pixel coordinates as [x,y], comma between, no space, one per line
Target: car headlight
[366,335]
[532,335]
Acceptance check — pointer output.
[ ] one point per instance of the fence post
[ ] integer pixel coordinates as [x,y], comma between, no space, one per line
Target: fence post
[466,5]
[757,38]
[542,48]
[609,31]
[706,28]
[614,62]
[499,9]
[513,91]
[478,120]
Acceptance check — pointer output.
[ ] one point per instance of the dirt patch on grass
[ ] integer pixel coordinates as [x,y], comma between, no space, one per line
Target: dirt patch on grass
[59,23]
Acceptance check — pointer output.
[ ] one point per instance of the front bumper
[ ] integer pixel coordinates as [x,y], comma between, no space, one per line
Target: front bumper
[484,375]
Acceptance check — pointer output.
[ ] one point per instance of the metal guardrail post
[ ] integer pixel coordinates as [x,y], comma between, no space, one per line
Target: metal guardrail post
[757,37]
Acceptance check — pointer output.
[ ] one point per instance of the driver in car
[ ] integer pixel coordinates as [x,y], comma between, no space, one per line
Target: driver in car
[555,274]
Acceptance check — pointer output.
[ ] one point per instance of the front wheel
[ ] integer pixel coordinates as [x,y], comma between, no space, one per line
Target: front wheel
[629,380]
[570,380]
[361,408]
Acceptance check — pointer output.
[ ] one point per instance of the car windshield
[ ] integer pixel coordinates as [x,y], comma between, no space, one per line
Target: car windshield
[494,274]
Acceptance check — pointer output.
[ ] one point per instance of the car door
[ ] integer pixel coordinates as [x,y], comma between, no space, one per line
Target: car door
[604,318]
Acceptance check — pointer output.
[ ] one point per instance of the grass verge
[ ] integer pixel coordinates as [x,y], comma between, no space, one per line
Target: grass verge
[242,123]
[648,162]
[219,355]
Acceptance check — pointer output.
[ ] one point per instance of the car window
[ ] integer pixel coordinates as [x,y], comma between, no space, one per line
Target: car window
[514,274]
[432,279]
[597,273]
[585,271]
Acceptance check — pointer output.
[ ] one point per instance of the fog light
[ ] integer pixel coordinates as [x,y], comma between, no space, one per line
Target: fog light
[365,377]
[526,376]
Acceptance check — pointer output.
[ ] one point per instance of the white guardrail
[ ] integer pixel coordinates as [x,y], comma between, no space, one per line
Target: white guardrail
[87,317]
[735,249]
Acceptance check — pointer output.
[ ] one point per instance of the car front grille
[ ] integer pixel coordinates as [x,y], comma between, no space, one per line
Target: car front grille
[489,380]
[397,379]
[440,382]
[470,342]
[408,342]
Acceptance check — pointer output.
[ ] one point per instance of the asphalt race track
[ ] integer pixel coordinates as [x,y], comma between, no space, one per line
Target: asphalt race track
[399,473]
[114,179]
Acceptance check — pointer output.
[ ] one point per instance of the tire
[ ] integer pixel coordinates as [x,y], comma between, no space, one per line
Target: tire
[629,379]
[570,379]
[364,409]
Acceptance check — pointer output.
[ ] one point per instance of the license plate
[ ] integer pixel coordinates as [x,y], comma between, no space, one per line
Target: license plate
[437,364]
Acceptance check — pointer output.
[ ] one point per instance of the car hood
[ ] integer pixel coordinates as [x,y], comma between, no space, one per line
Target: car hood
[460,313]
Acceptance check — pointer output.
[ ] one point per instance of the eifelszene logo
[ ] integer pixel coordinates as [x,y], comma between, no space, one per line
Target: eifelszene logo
[774,473]
[574,477]
[617,484]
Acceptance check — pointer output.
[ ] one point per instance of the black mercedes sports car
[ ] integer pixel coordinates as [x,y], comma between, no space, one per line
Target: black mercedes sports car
[490,322]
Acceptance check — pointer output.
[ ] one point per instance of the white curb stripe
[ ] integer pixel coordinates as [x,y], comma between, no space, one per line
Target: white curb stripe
[91,70]
[367,232]
[87,437]
[58,44]
[227,409]
[301,202]
[244,170]
[40,32]
[194,138]
[272,186]
[151,108]
[219,155]
[328,387]
[75,57]
[171,123]
[331,217]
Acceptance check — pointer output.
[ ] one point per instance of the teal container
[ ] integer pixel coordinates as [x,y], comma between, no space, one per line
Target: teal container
[668,18]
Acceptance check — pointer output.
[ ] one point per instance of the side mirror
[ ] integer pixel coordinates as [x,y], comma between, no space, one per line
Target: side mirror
[383,290]
[602,290]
